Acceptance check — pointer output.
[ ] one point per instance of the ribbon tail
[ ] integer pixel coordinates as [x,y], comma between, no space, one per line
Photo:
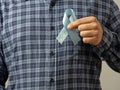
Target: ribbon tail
[74,36]
[62,35]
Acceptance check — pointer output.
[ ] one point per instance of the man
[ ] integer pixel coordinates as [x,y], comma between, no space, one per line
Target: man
[33,59]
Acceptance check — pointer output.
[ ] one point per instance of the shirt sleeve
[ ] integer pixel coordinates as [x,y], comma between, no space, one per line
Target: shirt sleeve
[3,68]
[109,48]
[3,71]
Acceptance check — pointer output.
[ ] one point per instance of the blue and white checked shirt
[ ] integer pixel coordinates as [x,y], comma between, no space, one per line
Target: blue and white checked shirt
[32,58]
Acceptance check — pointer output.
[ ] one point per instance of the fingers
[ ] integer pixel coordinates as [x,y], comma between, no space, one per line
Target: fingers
[75,24]
[89,33]
[88,26]
[90,29]
[90,36]
[91,40]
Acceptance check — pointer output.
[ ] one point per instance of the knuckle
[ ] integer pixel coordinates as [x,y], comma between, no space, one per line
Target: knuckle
[95,32]
[94,24]
[93,18]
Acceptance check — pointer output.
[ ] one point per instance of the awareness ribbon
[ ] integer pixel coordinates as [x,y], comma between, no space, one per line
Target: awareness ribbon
[69,16]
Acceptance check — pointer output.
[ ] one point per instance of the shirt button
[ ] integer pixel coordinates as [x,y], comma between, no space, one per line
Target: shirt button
[52,3]
[52,53]
[51,80]
[52,28]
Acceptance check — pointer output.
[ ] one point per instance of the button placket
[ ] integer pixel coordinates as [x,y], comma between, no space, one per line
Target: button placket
[52,82]
[52,52]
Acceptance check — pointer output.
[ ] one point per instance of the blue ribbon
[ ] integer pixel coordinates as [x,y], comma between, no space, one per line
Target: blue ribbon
[69,16]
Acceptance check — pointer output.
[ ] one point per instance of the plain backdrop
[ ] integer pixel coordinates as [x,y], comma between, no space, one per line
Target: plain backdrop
[110,80]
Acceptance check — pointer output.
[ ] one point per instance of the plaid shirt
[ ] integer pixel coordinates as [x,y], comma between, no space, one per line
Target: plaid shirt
[32,58]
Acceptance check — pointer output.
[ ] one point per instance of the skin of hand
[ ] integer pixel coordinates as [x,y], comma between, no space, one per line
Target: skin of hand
[90,29]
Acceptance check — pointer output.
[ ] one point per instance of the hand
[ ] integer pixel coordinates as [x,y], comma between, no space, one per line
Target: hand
[90,29]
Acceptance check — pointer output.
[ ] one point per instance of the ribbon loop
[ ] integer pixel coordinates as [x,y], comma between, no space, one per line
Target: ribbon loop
[69,16]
